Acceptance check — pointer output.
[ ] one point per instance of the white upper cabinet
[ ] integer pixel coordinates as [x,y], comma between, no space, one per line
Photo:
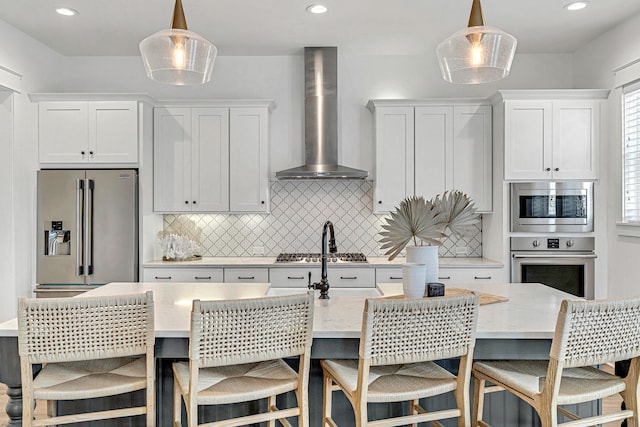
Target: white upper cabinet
[80,132]
[394,130]
[248,155]
[426,147]
[211,159]
[551,134]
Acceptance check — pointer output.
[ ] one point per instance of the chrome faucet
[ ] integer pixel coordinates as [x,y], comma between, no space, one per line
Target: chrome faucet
[323,285]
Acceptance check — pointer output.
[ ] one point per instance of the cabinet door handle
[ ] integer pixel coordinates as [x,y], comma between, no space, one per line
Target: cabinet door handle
[548,169]
[556,169]
[186,202]
[482,278]
[91,153]
[348,277]
[202,277]
[262,202]
[295,277]
[82,152]
[163,277]
[444,278]
[379,202]
[246,278]
[395,277]
[194,202]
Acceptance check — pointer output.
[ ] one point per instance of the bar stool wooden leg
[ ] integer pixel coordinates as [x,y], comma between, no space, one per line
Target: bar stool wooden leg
[271,404]
[478,401]
[177,405]
[327,391]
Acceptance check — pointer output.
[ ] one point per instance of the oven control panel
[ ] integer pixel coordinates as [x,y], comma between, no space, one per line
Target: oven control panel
[547,243]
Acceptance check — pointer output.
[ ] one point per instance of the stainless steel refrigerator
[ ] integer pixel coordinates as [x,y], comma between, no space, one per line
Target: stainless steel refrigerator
[87,230]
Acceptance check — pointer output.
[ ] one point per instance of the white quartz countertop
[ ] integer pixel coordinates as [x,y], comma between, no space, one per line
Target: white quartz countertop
[530,312]
[373,262]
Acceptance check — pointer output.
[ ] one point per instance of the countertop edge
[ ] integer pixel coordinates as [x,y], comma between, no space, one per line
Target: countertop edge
[270,262]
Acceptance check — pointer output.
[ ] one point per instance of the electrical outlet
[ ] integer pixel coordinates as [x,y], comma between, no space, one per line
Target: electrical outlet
[461,250]
[258,250]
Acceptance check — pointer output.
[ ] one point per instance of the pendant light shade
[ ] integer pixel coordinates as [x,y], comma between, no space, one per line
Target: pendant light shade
[178,56]
[476,54]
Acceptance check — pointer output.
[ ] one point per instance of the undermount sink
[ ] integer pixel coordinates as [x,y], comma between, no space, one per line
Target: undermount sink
[337,292]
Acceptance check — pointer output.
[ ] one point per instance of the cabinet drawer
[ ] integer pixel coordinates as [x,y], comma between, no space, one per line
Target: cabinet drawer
[183,275]
[346,277]
[389,275]
[468,276]
[246,275]
[293,277]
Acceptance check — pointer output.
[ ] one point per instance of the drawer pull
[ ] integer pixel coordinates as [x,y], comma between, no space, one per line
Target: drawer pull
[395,277]
[295,277]
[246,278]
[444,278]
[482,278]
[202,277]
[348,277]
[163,277]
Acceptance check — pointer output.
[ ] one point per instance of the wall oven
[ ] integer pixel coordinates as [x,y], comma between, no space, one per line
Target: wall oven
[550,207]
[564,263]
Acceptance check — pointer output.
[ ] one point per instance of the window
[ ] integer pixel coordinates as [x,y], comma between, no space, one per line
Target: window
[631,153]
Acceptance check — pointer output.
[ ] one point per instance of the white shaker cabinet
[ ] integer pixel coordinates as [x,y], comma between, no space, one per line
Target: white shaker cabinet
[81,132]
[551,134]
[426,147]
[211,158]
[248,156]
[191,159]
[394,176]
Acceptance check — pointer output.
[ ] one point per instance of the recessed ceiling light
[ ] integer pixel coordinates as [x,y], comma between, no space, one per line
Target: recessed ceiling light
[65,11]
[576,5]
[316,8]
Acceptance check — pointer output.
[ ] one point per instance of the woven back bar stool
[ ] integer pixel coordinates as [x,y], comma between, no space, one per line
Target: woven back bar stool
[236,349]
[89,347]
[588,333]
[400,339]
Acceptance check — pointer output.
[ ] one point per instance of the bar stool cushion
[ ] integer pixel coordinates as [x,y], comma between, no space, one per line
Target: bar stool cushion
[577,385]
[238,383]
[90,378]
[395,383]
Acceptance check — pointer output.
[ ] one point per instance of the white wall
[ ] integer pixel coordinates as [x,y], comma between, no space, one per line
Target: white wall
[37,65]
[594,66]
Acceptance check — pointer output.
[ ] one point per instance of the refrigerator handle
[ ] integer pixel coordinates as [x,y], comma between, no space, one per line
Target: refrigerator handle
[88,241]
[79,227]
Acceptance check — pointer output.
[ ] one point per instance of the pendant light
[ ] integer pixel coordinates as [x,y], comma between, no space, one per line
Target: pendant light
[178,56]
[476,54]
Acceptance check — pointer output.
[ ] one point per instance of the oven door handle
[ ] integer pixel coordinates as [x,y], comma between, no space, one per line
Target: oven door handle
[593,256]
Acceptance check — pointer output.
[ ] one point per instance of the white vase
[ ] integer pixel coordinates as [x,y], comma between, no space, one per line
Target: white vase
[413,280]
[427,255]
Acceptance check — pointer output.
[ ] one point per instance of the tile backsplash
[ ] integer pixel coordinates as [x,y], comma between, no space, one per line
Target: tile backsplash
[298,211]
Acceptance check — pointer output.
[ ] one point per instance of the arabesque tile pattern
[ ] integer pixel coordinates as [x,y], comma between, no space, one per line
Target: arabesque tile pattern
[298,211]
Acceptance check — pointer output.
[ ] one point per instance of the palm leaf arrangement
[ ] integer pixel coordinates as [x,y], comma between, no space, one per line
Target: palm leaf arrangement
[428,221]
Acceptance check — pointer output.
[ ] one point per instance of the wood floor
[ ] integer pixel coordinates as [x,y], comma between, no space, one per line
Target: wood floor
[609,405]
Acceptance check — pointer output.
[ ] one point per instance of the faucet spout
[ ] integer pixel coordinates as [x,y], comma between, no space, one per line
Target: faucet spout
[323,285]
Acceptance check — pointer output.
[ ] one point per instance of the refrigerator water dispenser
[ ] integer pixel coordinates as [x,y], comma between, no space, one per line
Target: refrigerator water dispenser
[57,240]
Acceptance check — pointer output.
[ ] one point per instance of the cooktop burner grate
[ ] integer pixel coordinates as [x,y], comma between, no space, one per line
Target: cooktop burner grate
[316,257]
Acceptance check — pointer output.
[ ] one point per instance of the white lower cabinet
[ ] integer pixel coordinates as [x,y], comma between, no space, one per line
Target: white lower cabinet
[183,274]
[246,275]
[446,275]
[339,277]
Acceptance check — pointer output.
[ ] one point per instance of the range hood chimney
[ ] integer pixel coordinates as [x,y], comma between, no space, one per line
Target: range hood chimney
[321,119]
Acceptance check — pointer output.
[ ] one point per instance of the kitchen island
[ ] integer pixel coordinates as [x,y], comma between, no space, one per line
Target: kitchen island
[521,327]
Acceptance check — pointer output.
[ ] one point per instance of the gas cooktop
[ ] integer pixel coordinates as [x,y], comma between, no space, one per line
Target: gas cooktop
[316,257]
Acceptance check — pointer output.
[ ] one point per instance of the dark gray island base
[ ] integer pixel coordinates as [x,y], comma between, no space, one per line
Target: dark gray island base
[501,409]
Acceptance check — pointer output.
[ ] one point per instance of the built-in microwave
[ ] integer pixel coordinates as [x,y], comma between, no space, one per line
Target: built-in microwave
[551,207]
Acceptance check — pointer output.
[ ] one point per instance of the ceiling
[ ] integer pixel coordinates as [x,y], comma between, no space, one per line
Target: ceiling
[283,27]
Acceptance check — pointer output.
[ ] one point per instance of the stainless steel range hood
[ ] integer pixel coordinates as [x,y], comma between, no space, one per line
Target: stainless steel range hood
[321,119]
